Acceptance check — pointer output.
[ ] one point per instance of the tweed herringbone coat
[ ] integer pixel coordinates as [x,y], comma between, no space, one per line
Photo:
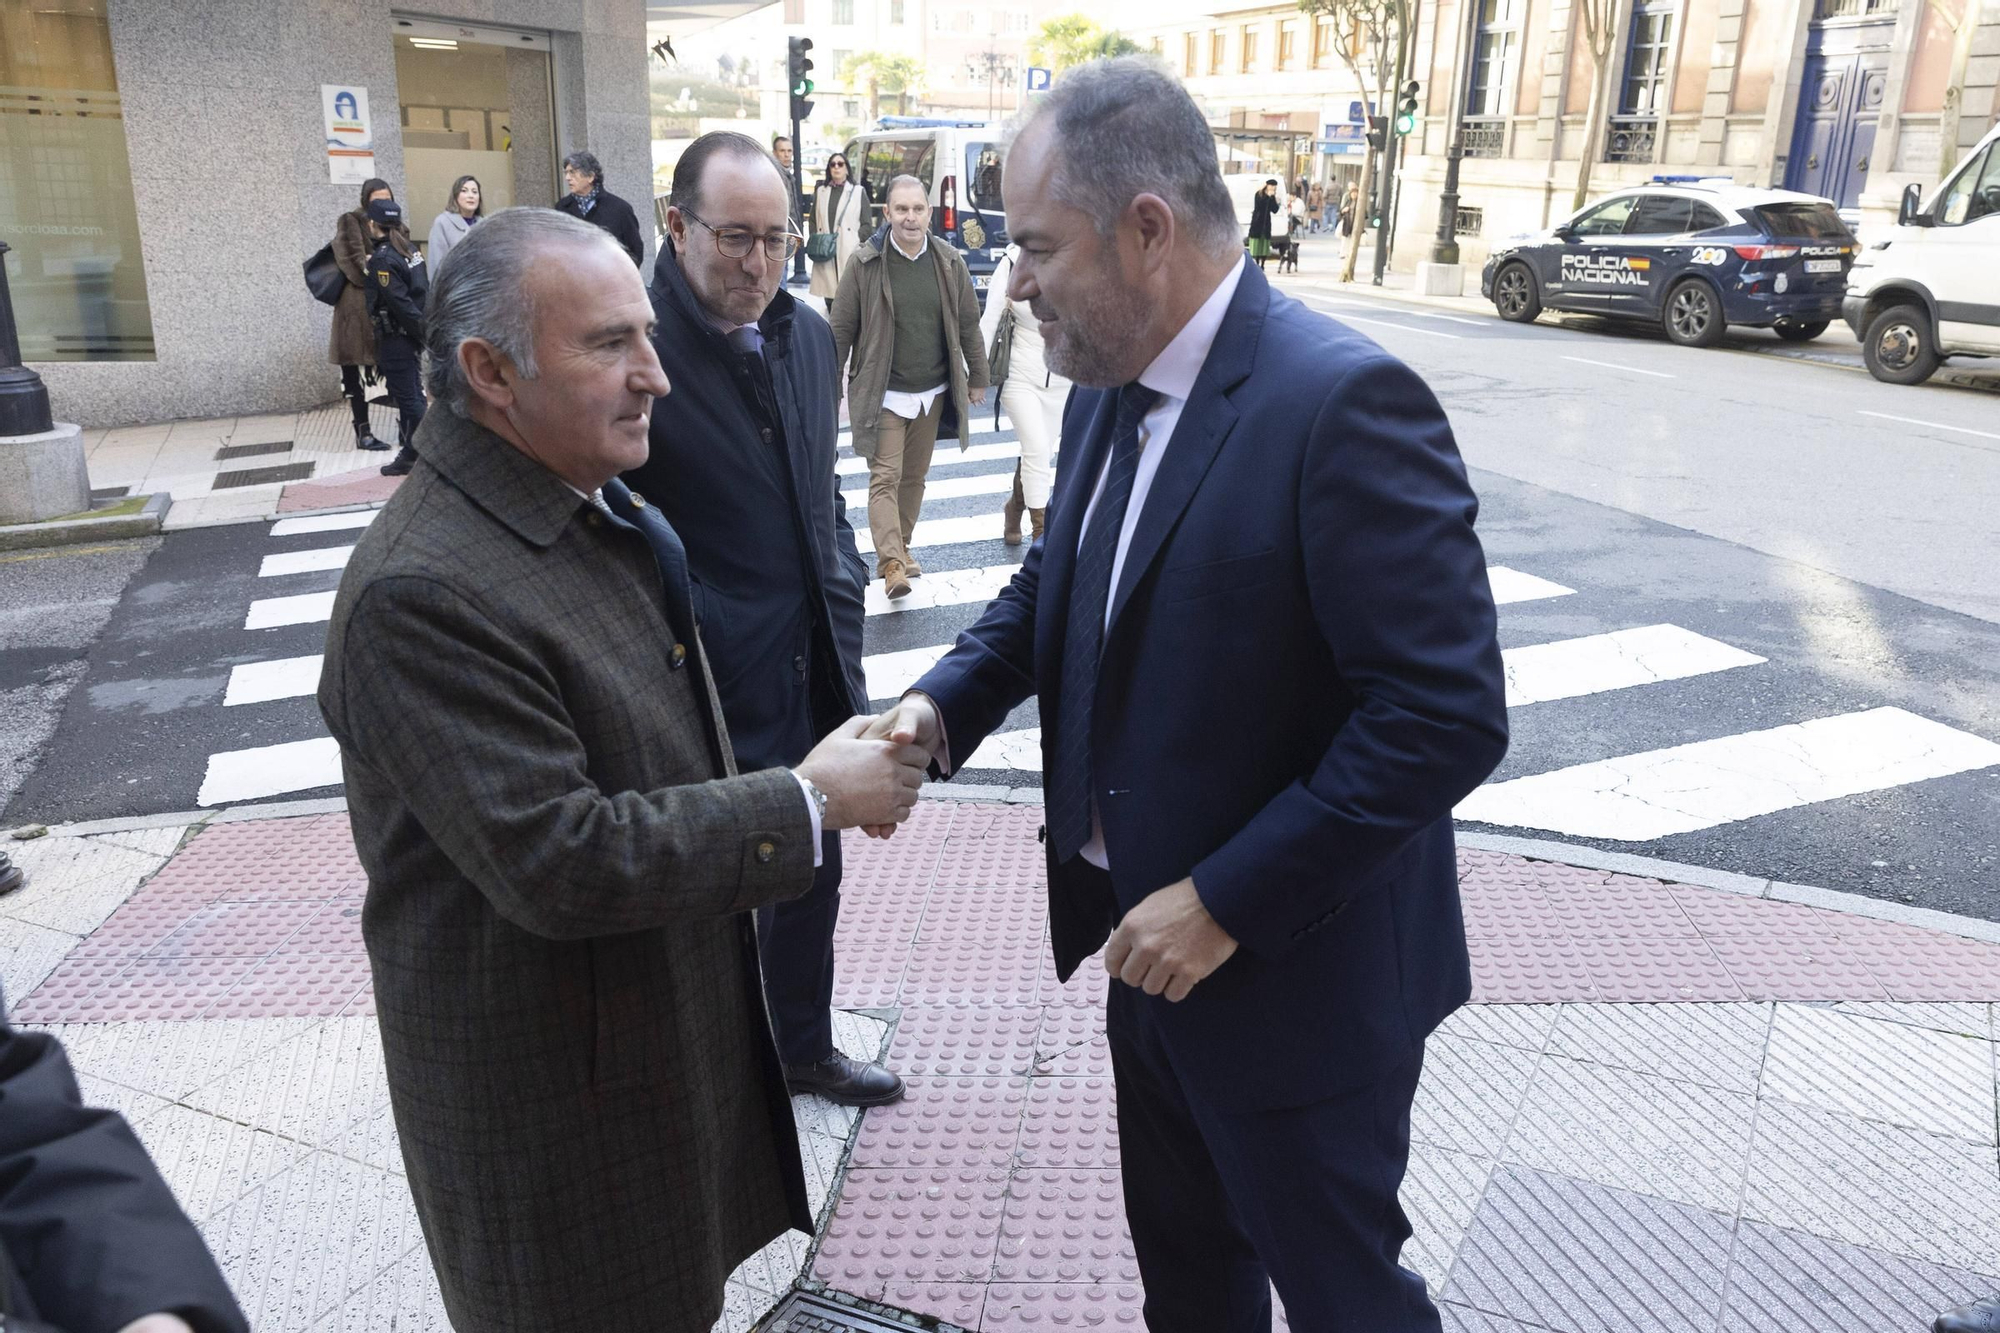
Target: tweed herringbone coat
[561,870]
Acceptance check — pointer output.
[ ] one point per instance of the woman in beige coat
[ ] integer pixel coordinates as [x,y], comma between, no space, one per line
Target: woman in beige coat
[351,345]
[839,206]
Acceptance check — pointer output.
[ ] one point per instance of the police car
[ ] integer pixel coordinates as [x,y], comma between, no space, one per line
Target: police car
[1695,255]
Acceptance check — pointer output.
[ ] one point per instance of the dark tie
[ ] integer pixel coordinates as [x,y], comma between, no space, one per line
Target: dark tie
[747,339]
[668,553]
[1069,783]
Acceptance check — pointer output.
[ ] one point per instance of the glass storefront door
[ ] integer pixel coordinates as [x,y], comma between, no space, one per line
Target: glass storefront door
[78,281]
[475,102]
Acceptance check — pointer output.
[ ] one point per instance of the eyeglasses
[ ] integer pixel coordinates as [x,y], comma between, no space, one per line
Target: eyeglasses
[735,242]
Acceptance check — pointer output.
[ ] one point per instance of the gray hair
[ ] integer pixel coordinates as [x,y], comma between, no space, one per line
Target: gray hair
[481,291]
[587,163]
[1124,127]
[898,182]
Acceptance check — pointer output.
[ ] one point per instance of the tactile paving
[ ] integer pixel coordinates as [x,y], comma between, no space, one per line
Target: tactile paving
[921,1227]
[1785,1279]
[1043,1305]
[1646,970]
[1065,1226]
[995,847]
[945,1123]
[997,973]
[235,929]
[965,1041]
[1069,1122]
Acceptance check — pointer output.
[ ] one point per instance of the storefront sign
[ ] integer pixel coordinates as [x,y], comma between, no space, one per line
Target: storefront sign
[350,139]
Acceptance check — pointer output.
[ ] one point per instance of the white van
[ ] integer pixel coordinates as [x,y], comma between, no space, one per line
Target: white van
[959,163]
[1932,289]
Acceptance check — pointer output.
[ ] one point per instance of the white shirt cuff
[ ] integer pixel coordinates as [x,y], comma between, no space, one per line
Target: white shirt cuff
[812,813]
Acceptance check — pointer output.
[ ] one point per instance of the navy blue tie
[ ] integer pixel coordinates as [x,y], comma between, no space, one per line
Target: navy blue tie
[1069,781]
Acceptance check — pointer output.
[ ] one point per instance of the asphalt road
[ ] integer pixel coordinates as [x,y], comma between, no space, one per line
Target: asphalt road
[1826,559]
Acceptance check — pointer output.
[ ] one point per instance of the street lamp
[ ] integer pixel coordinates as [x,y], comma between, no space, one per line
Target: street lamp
[24,400]
[1444,249]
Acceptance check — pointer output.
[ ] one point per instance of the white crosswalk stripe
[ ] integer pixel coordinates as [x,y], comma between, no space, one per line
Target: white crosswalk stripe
[1639,797]
[1615,797]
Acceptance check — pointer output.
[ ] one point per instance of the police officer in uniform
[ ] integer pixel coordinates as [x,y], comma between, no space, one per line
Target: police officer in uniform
[396,291]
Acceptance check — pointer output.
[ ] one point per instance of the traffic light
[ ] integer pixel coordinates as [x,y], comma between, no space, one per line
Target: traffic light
[799,75]
[1378,129]
[1406,110]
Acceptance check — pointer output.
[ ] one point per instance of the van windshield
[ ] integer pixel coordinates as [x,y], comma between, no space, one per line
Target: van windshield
[1810,222]
[982,172]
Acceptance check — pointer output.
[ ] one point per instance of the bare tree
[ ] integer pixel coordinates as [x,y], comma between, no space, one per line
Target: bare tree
[1374,33]
[1596,17]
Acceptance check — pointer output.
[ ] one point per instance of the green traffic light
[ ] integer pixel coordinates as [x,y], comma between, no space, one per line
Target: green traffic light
[1405,123]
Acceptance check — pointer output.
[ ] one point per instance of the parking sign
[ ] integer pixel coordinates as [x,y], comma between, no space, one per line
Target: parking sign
[1038,79]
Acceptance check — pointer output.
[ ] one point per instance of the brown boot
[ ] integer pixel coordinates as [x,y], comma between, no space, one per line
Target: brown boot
[1016,506]
[912,568]
[894,581]
[1036,518]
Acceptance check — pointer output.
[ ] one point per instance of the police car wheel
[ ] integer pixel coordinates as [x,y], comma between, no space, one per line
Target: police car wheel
[1898,346]
[1796,331]
[1693,317]
[1514,294]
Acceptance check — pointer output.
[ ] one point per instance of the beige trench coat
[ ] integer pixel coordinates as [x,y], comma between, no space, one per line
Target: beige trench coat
[864,325]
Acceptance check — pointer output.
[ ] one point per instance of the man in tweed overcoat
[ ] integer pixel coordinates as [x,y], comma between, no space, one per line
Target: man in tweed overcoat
[562,860]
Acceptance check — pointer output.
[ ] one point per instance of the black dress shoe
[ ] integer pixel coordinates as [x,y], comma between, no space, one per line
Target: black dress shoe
[372,444]
[400,465]
[1978,1317]
[848,1082]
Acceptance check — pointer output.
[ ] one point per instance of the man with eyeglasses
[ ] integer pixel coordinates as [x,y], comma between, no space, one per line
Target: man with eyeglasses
[907,313]
[742,466]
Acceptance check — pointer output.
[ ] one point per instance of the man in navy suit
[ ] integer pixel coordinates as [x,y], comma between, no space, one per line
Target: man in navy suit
[1262,640]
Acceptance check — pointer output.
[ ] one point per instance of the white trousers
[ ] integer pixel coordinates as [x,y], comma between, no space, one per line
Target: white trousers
[1036,410]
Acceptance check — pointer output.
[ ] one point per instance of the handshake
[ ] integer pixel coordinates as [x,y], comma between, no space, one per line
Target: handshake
[870,768]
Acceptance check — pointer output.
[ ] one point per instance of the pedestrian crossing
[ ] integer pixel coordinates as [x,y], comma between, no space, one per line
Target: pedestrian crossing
[1622,794]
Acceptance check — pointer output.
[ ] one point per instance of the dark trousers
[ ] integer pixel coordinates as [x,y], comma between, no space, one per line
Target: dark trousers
[1225,1204]
[795,942]
[396,357]
[357,400]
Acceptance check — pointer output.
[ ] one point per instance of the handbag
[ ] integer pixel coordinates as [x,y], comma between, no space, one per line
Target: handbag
[999,356]
[822,246]
[323,276]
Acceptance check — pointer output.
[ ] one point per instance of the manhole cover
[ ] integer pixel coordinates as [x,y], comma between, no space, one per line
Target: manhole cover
[802,1312]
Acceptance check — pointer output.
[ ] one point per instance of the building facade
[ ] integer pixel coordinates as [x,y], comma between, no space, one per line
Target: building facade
[1849,99]
[166,169]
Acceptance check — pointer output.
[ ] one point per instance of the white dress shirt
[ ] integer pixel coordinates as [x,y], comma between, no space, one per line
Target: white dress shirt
[908,406]
[596,498]
[1172,376]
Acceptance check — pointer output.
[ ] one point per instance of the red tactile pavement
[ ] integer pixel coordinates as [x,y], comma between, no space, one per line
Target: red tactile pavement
[989,1196]
[363,486]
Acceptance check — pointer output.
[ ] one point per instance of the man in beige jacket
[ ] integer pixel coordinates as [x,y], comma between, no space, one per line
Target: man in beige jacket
[907,313]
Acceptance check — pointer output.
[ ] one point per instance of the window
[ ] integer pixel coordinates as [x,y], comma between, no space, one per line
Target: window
[1190,48]
[1322,43]
[843,13]
[1974,193]
[1248,56]
[795,11]
[896,13]
[1706,218]
[1217,41]
[1606,219]
[1661,215]
[78,280]
[1493,58]
[1288,45]
[1646,63]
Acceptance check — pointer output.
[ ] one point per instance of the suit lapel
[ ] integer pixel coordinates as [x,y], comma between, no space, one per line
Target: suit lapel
[1204,425]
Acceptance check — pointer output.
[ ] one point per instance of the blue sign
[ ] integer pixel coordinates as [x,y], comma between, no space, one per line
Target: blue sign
[1038,79]
[1357,112]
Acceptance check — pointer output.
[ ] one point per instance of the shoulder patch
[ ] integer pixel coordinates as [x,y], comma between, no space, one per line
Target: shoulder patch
[382,276]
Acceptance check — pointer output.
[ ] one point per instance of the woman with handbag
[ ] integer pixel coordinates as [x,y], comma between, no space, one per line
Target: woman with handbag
[838,207]
[351,345]
[1029,392]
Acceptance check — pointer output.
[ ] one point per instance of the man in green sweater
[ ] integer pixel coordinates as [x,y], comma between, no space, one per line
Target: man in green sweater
[908,317]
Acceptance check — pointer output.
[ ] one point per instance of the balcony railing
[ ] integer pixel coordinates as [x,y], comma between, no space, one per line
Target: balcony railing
[1852,9]
[1631,139]
[1485,136]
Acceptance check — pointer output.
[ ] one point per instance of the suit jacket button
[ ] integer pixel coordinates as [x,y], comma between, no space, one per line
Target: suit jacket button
[799,664]
[638,500]
[678,656]
[594,519]
[766,850]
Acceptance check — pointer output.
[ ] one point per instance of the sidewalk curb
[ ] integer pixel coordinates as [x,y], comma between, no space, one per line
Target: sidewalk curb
[80,531]
[1533,849]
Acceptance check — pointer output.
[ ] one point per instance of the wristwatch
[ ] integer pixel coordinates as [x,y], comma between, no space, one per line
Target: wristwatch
[818,796]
